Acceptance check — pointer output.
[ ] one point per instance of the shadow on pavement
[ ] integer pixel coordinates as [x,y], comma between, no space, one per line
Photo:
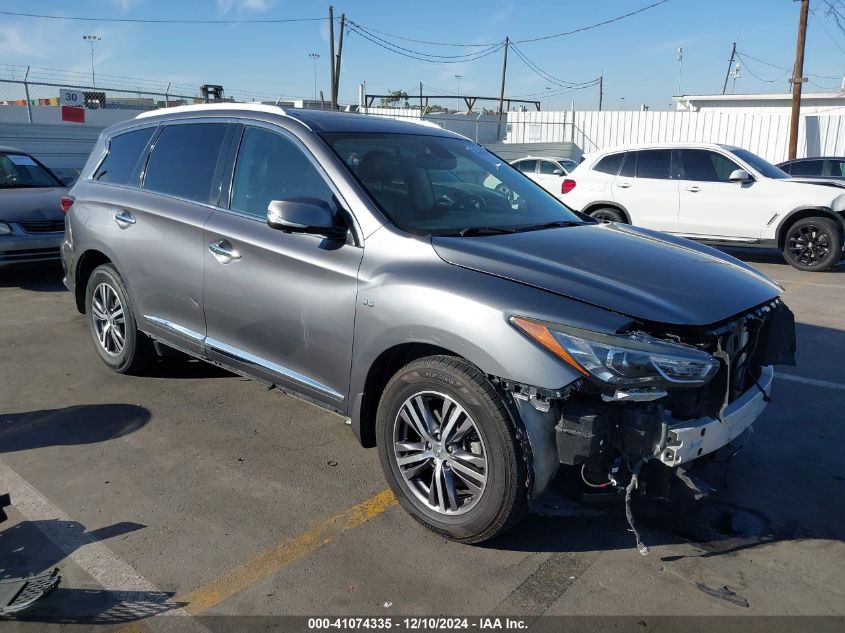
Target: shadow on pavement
[80,424]
[45,277]
[31,546]
[99,606]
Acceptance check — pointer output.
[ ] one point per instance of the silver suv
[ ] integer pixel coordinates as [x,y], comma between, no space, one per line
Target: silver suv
[483,337]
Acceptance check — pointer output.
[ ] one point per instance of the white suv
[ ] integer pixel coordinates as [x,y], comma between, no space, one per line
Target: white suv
[717,194]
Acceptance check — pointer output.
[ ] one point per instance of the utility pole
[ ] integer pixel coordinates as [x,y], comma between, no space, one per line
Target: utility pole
[798,78]
[502,91]
[421,100]
[339,57]
[91,39]
[332,85]
[730,63]
[601,89]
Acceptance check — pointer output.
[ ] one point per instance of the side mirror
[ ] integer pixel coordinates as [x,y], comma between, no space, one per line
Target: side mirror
[740,175]
[558,172]
[304,215]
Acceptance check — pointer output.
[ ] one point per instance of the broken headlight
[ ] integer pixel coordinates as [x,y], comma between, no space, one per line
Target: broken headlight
[632,360]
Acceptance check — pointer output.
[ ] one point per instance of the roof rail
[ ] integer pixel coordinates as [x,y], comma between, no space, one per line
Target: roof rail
[228,105]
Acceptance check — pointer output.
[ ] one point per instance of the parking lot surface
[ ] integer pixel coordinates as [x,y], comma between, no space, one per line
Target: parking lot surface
[195,492]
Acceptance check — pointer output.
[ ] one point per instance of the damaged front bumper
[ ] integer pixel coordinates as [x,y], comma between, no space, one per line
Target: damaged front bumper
[695,438]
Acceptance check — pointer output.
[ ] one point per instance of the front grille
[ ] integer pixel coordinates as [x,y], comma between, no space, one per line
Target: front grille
[43,226]
[29,255]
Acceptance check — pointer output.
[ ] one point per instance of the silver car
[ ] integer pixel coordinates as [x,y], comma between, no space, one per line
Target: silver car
[32,220]
[481,341]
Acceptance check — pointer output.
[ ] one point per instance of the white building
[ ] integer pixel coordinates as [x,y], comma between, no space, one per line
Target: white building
[777,103]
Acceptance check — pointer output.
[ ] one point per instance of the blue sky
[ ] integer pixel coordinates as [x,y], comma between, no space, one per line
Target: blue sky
[637,55]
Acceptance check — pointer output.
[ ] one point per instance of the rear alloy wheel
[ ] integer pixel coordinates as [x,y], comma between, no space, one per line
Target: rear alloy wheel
[813,244]
[449,451]
[608,214]
[111,322]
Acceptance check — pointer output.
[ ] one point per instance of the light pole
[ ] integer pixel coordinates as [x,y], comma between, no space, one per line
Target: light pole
[548,98]
[315,57]
[680,68]
[458,101]
[91,39]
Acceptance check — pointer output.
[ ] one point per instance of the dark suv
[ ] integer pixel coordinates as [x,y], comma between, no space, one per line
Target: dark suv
[480,335]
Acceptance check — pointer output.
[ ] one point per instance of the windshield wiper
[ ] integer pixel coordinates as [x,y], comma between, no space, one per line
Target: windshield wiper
[549,225]
[484,230]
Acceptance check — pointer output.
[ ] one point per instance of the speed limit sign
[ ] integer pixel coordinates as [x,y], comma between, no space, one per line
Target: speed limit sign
[69,97]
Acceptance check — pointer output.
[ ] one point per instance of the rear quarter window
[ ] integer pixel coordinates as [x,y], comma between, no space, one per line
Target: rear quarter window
[124,152]
[610,164]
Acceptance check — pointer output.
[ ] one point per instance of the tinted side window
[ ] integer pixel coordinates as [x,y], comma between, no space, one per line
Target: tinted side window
[787,168]
[807,168]
[705,166]
[271,167]
[548,167]
[654,163]
[526,166]
[629,165]
[183,160]
[610,164]
[837,168]
[124,151]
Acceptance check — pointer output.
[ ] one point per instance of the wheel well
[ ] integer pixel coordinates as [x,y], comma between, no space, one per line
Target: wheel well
[607,205]
[381,371]
[806,213]
[84,267]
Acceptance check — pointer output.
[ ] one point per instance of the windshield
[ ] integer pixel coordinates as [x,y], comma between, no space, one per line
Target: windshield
[429,185]
[20,170]
[760,164]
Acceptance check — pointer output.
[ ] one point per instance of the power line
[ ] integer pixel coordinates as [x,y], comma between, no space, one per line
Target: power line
[160,21]
[465,57]
[758,77]
[419,55]
[763,61]
[592,26]
[410,39]
[523,41]
[548,76]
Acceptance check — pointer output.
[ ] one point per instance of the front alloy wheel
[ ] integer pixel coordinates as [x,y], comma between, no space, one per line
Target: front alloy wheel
[440,452]
[813,244]
[449,449]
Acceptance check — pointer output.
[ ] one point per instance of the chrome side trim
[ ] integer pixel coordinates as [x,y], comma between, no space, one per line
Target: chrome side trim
[717,238]
[245,356]
[191,334]
[252,359]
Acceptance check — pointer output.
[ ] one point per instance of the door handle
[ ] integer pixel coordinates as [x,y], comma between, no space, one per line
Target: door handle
[694,189]
[624,185]
[223,251]
[124,219]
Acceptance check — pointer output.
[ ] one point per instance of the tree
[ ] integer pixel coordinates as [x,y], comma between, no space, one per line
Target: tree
[395,99]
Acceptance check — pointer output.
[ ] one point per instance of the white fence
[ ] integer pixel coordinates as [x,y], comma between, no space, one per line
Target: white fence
[764,134]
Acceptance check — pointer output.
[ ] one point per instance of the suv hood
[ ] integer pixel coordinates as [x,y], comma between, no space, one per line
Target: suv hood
[34,203]
[637,272]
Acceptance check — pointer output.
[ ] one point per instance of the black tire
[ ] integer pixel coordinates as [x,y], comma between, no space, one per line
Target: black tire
[137,349]
[504,498]
[813,244]
[608,214]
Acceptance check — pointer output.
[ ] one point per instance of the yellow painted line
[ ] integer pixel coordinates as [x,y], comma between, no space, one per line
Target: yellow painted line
[266,564]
